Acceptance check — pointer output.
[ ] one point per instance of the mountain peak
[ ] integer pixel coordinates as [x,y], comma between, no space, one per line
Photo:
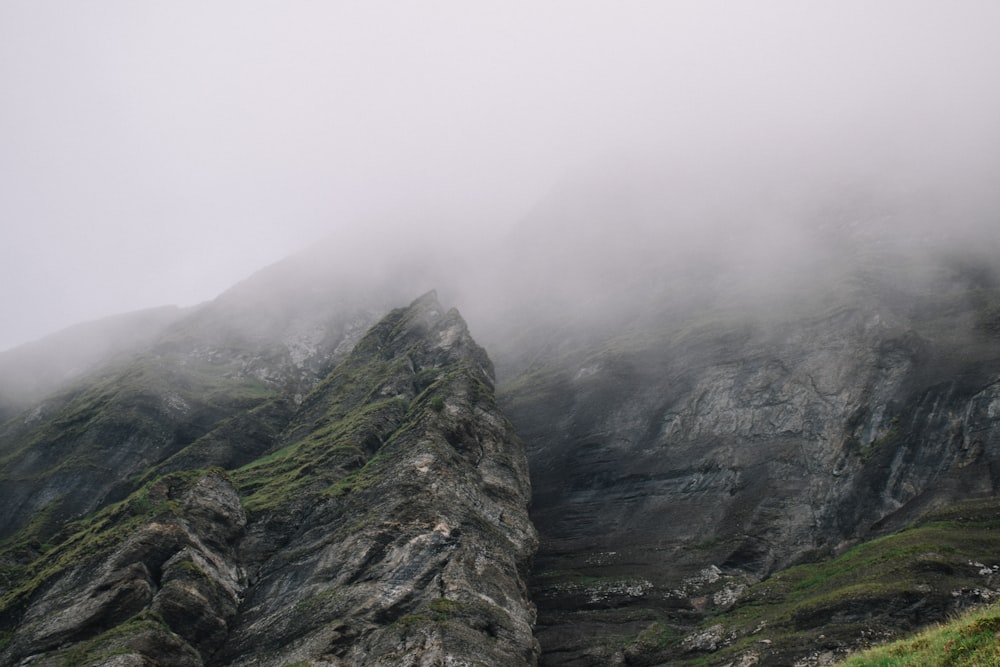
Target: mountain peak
[428,299]
[383,515]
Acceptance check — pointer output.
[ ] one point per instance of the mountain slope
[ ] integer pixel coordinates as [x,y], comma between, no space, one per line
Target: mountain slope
[380,520]
[701,442]
[815,612]
[969,641]
[193,381]
[30,372]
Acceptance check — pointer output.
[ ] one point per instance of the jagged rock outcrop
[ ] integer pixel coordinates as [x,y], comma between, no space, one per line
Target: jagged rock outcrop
[381,519]
[418,555]
[154,580]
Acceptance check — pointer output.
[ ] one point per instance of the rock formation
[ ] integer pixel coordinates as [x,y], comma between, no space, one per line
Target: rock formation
[382,519]
[693,451]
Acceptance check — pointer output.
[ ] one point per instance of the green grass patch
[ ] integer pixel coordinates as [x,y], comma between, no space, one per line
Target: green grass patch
[658,636]
[443,608]
[973,640]
[323,459]
[869,582]
[114,641]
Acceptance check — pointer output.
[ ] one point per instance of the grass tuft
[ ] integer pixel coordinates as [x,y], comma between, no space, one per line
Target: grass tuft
[973,640]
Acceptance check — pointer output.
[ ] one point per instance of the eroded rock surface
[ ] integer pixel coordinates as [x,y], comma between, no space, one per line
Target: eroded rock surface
[419,556]
[379,520]
[745,442]
[163,592]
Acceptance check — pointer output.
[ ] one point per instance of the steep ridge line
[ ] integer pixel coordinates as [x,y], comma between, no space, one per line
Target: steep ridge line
[382,521]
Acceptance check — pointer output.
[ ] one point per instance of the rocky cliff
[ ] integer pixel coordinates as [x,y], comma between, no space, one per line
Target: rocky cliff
[693,452]
[381,518]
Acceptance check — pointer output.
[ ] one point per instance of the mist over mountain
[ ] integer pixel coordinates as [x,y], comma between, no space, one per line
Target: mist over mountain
[574,334]
[711,395]
[157,155]
[637,237]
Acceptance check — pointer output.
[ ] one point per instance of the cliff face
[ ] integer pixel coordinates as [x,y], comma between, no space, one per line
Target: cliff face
[379,519]
[679,463]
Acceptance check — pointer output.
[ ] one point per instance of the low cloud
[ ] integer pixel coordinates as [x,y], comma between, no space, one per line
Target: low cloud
[157,154]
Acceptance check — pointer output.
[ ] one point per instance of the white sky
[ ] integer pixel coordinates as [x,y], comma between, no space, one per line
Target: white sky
[157,152]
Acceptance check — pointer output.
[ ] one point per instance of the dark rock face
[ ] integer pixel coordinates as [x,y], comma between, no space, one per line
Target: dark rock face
[418,556]
[381,519]
[167,581]
[672,469]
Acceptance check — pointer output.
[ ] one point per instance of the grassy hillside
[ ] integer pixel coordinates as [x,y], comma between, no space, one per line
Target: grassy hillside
[874,592]
[972,640]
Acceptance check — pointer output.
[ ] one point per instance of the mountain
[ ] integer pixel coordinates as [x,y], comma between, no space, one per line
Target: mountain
[691,434]
[767,433]
[381,518]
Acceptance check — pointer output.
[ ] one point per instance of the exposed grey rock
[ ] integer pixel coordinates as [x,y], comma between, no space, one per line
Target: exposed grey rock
[420,558]
[749,440]
[383,521]
[172,582]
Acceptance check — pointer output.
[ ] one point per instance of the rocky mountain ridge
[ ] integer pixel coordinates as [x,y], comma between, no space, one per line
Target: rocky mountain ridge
[382,519]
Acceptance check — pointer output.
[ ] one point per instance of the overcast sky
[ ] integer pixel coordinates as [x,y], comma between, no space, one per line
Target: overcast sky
[156,152]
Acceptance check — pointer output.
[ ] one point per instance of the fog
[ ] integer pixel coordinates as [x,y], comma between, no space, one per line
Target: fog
[157,153]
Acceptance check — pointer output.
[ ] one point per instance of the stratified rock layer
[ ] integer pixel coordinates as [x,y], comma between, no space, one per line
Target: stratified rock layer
[676,464]
[417,557]
[385,524]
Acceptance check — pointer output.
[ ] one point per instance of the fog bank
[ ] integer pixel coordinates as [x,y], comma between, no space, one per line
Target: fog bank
[157,154]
